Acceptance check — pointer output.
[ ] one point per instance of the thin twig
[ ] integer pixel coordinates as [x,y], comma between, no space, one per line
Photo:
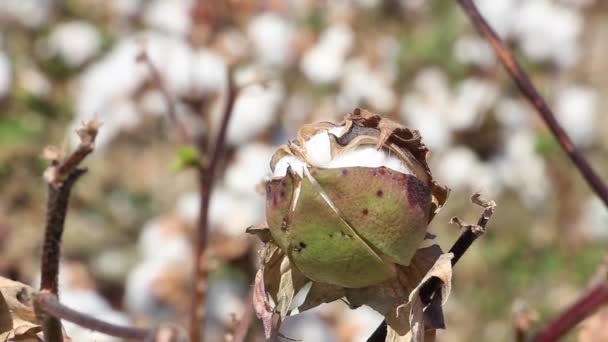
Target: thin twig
[466,239]
[60,177]
[169,101]
[240,331]
[522,80]
[49,302]
[206,178]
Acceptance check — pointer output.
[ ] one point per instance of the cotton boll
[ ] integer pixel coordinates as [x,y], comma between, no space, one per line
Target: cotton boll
[209,72]
[548,32]
[224,204]
[362,85]
[249,168]
[318,149]
[472,99]
[106,82]
[532,185]
[423,116]
[174,60]
[475,51]
[454,167]
[369,156]
[164,239]
[297,165]
[5,74]
[576,110]
[169,16]
[30,13]
[324,62]
[512,114]
[75,42]
[272,38]
[254,111]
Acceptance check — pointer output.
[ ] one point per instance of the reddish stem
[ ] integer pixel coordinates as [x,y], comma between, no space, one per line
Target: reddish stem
[206,178]
[522,80]
[576,313]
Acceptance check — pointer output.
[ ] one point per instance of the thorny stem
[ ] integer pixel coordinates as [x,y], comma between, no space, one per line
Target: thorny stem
[50,304]
[205,179]
[569,318]
[522,80]
[466,239]
[160,85]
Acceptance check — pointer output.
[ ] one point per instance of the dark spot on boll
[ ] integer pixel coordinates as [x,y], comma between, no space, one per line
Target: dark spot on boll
[418,193]
[344,172]
[365,211]
[302,245]
[282,194]
[382,171]
[380,193]
[331,235]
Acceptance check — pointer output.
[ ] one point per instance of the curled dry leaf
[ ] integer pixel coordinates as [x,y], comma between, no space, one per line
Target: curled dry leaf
[17,318]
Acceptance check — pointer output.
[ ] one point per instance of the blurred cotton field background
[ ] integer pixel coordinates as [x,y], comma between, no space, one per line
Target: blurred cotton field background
[128,239]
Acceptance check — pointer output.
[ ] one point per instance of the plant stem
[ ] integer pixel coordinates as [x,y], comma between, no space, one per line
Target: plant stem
[49,303]
[522,80]
[205,179]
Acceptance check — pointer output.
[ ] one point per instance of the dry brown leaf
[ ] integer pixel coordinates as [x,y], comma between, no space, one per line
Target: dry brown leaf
[276,284]
[17,318]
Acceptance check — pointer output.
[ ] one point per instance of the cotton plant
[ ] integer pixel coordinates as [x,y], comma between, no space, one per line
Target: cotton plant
[347,211]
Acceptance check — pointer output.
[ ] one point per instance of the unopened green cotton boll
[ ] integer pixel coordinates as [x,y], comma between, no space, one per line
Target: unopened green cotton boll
[349,202]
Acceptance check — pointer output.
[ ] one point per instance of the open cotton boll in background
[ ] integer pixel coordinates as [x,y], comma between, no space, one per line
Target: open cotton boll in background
[520,151]
[475,51]
[255,108]
[5,74]
[323,63]
[224,203]
[75,42]
[30,13]
[361,85]
[272,37]
[249,168]
[472,98]
[549,32]
[165,238]
[169,16]
[576,110]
